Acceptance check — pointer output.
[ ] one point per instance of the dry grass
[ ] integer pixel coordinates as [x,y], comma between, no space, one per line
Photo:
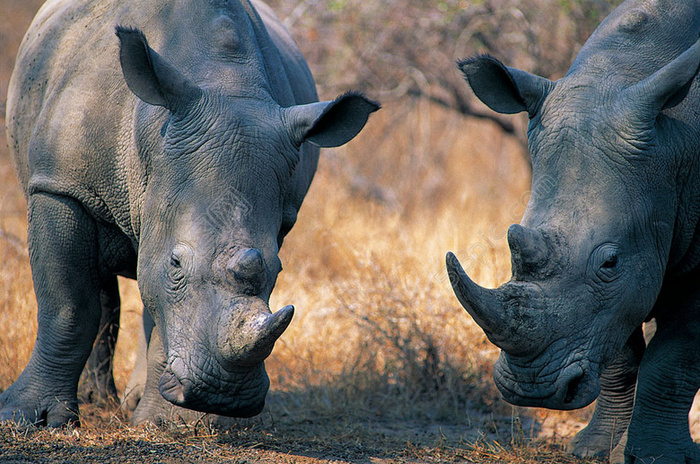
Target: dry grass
[381,364]
[188,444]
[366,265]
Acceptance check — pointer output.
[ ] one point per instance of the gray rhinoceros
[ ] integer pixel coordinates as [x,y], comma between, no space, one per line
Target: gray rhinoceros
[610,237]
[183,168]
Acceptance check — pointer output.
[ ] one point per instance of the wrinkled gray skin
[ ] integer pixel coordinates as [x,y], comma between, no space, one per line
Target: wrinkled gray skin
[610,236]
[184,166]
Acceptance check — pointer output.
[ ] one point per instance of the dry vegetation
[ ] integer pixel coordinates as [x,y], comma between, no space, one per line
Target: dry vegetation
[380,364]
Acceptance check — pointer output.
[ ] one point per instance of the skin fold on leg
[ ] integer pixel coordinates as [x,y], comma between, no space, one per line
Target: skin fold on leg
[669,378]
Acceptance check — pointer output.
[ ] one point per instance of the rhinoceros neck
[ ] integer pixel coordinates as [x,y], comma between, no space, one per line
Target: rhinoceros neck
[685,247]
[638,38]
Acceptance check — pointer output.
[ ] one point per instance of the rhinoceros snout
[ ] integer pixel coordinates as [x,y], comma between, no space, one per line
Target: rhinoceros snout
[573,387]
[235,394]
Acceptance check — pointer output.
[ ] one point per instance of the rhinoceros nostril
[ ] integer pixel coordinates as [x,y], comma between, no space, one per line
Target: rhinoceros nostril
[528,250]
[171,388]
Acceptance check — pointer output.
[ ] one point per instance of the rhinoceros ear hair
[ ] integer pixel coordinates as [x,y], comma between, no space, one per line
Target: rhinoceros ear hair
[150,77]
[330,123]
[664,89]
[504,89]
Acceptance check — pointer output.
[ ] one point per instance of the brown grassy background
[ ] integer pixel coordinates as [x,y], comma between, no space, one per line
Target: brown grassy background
[381,364]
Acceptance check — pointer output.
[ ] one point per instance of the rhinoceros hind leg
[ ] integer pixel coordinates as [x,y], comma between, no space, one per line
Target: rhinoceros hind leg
[137,382]
[97,380]
[63,258]
[614,406]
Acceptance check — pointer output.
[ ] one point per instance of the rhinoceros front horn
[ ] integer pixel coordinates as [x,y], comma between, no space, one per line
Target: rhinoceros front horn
[250,342]
[485,306]
[277,323]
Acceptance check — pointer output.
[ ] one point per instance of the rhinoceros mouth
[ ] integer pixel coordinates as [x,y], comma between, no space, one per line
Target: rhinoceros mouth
[572,387]
[234,394]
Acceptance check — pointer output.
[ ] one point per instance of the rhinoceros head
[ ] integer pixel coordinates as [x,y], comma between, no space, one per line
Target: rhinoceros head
[215,209]
[589,256]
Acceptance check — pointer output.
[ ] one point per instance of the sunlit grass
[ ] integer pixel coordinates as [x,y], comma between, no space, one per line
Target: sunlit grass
[377,320]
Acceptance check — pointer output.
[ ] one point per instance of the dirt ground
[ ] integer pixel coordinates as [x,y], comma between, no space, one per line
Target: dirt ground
[106,439]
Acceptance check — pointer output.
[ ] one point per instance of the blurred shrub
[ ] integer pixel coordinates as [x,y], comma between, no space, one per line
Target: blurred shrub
[391,48]
[395,48]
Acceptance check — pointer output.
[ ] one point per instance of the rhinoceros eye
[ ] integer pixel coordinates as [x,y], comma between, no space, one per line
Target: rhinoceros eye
[176,272]
[605,262]
[181,255]
[181,259]
[610,262]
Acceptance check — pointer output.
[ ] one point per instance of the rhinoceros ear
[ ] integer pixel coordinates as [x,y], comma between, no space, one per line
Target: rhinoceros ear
[150,77]
[664,89]
[503,89]
[330,123]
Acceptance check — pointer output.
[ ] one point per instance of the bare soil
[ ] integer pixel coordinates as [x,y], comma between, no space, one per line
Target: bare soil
[104,438]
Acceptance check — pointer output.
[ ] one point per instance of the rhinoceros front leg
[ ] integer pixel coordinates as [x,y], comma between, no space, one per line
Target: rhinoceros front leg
[669,378]
[613,408]
[97,380]
[152,407]
[63,257]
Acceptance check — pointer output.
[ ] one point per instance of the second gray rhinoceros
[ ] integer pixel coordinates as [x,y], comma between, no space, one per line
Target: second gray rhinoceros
[183,168]
[610,237]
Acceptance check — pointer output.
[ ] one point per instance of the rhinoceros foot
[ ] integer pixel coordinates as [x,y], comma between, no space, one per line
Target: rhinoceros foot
[597,443]
[690,454]
[29,401]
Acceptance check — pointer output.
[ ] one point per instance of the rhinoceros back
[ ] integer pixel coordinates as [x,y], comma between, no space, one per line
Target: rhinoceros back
[75,129]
